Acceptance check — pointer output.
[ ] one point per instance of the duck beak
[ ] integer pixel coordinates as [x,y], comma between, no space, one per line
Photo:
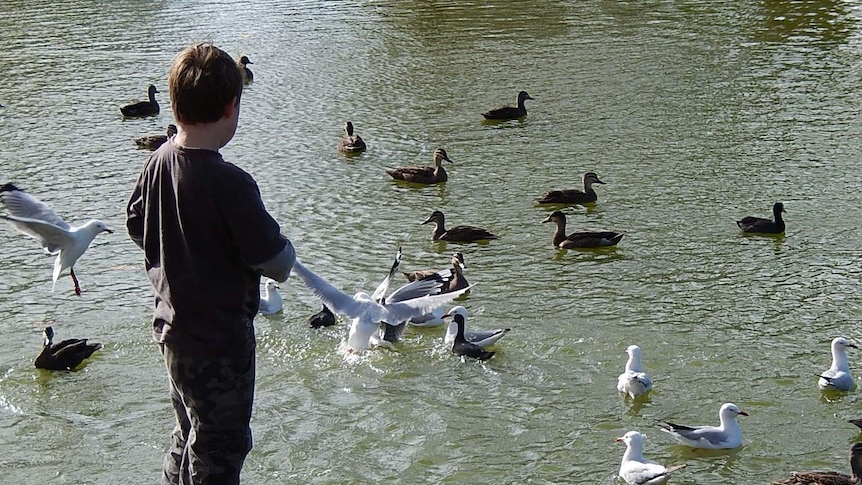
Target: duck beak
[428,220]
[547,219]
[448,159]
[597,181]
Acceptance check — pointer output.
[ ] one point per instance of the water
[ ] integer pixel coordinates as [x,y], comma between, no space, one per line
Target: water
[694,113]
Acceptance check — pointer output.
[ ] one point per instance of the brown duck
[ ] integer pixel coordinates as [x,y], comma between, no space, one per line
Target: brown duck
[454,275]
[247,75]
[580,239]
[350,143]
[831,478]
[65,355]
[153,142]
[573,196]
[457,233]
[424,174]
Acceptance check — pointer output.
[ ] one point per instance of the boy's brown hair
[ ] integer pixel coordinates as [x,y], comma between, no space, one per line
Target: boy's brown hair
[203,80]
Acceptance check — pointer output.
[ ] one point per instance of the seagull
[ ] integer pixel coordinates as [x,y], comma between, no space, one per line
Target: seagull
[482,338]
[634,381]
[35,219]
[270,301]
[462,347]
[635,469]
[411,300]
[726,436]
[831,478]
[838,377]
[65,355]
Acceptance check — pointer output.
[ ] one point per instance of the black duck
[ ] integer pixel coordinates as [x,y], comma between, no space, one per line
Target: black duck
[247,75]
[65,355]
[764,226]
[351,143]
[580,239]
[142,108]
[507,112]
[457,233]
[573,196]
[424,174]
[831,478]
[153,142]
[323,318]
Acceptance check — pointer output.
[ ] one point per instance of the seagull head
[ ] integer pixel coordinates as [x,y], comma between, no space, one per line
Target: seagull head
[632,438]
[841,342]
[97,227]
[456,310]
[731,410]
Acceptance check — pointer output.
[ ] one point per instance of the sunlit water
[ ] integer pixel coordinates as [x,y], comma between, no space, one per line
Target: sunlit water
[695,114]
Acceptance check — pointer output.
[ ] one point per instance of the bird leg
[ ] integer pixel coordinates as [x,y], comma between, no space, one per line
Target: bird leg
[75,280]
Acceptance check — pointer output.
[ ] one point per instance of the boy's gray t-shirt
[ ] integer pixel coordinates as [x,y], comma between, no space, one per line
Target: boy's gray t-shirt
[204,229]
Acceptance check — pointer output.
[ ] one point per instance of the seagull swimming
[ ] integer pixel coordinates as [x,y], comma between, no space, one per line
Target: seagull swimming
[634,381]
[35,219]
[270,301]
[838,376]
[411,300]
[637,470]
[482,338]
[726,436]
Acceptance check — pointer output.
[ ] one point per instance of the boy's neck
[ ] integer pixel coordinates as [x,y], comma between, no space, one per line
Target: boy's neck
[206,136]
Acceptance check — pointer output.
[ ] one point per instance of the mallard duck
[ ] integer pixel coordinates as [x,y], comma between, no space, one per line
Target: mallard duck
[831,478]
[482,338]
[508,112]
[462,347]
[838,376]
[142,108]
[153,142]
[65,355]
[580,239]
[455,275]
[573,196]
[323,318]
[764,226]
[457,233]
[247,75]
[424,174]
[350,143]
[637,470]
[634,381]
[727,435]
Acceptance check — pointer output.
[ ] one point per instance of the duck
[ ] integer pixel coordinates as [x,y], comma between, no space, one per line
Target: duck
[460,346]
[427,175]
[764,226]
[838,376]
[270,300]
[580,239]
[482,338]
[457,233]
[142,108]
[637,470]
[830,478]
[573,196]
[247,75]
[455,275]
[323,318]
[727,435]
[153,142]
[504,113]
[634,381]
[351,143]
[65,355]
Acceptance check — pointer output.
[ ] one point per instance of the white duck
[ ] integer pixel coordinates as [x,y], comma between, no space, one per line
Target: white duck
[726,436]
[270,301]
[482,338]
[634,381]
[838,376]
[635,469]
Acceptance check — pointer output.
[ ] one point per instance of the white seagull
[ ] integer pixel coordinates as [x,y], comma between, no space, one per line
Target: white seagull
[634,381]
[35,219]
[838,376]
[726,436]
[482,338]
[411,300]
[637,470]
[270,301]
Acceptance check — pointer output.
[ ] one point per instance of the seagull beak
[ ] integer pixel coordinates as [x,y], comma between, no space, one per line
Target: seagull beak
[852,345]
[108,231]
[447,315]
[743,413]
[619,440]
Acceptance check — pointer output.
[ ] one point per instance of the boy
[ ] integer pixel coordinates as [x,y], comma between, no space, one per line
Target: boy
[207,238]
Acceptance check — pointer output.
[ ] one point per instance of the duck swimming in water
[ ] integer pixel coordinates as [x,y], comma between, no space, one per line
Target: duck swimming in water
[247,75]
[457,233]
[580,239]
[142,108]
[573,196]
[764,226]
[65,355]
[504,113]
[350,143]
[454,276]
[419,174]
[323,318]
[831,478]
[153,142]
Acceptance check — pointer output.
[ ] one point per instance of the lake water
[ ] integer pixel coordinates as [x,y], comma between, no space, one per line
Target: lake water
[694,113]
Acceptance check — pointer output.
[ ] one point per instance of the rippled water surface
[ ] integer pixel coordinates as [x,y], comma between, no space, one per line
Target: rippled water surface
[694,113]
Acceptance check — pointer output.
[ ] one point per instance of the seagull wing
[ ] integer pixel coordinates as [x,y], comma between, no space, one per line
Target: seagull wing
[20,204]
[50,236]
[331,296]
[416,289]
[407,309]
[381,290]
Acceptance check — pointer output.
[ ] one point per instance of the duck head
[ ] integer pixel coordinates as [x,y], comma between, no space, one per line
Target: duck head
[436,217]
[556,217]
[440,155]
[244,60]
